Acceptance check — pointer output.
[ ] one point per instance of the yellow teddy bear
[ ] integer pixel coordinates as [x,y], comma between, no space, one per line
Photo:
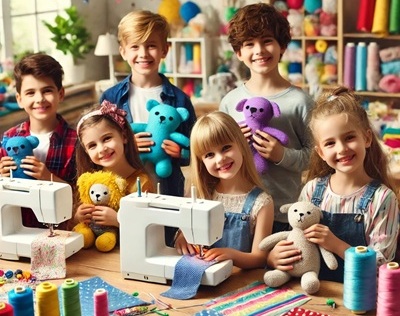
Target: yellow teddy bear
[100,188]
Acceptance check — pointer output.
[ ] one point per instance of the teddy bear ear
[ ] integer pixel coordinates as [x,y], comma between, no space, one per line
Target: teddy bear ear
[151,104]
[33,140]
[240,105]
[285,208]
[275,109]
[184,113]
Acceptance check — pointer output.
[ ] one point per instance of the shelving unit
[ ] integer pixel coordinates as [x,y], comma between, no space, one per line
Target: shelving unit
[188,62]
[347,14]
[351,34]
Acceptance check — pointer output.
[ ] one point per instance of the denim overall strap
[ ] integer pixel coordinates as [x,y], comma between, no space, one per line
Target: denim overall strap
[237,233]
[349,228]
[250,200]
[319,190]
[368,195]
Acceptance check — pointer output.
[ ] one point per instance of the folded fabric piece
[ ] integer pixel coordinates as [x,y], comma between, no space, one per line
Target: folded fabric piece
[48,255]
[392,143]
[117,299]
[188,273]
[389,53]
[390,136]
[390,67]
[255,299]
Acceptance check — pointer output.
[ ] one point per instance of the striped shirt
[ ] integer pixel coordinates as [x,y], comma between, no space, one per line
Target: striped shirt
[381,218]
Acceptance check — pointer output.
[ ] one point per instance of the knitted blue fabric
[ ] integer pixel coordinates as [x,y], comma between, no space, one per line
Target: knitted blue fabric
[187,277]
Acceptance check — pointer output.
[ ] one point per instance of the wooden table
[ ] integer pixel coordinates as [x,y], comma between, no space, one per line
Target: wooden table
[89,263]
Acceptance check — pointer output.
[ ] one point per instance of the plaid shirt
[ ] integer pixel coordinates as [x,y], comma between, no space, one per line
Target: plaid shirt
[60,158]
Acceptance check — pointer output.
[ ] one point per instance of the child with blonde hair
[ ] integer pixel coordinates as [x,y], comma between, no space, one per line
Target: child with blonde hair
[142,36]
[223,169]
[348,178]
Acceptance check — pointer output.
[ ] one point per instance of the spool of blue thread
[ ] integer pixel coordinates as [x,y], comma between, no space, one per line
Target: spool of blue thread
[361,67]
[360,281]
[21,299]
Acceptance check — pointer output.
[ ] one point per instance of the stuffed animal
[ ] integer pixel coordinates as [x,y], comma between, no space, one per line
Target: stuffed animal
[100,188]
[258,112]
[163,121]
[18,147]
[301,215]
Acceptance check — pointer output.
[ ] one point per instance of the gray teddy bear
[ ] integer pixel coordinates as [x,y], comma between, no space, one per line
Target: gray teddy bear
[301,215]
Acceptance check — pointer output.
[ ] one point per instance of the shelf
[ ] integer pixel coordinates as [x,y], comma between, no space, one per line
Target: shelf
[194,57]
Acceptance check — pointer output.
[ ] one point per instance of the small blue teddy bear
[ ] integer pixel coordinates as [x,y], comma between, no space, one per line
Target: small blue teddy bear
[18,147]
[163,121]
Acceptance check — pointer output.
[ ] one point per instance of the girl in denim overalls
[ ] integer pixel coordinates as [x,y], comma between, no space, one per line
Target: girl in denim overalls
[222,169]
[348,179]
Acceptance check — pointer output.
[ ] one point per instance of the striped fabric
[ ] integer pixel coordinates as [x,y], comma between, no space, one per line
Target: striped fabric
[255,299]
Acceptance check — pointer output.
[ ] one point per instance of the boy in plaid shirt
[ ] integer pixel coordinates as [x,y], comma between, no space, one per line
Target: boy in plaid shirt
[38,79]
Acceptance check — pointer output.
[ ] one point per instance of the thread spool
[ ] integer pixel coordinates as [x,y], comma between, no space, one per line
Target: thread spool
[196,59]
[359,286]
[388,286]
[100,300]
[6,309]
[349,65]
[21,299]
[361,67]
[47,299]
[70,298]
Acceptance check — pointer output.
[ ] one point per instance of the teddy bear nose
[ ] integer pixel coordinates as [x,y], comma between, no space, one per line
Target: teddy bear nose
[15,149]
[252,110]
[162,118]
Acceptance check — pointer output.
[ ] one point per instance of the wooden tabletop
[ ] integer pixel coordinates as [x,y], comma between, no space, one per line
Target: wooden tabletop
[89,263]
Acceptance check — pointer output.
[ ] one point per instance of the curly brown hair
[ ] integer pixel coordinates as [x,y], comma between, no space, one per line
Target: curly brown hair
[257,21]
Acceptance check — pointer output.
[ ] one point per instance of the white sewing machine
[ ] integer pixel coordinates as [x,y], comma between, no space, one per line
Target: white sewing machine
[50,201]
[144,255]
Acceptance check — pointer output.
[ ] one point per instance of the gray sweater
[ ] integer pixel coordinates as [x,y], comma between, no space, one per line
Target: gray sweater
[283,179]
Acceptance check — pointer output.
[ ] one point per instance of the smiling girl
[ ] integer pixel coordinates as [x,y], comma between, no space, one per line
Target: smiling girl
[106,143]
[348,179]
[223,169]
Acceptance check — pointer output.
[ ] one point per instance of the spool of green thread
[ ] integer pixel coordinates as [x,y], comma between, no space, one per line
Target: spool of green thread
[70,298]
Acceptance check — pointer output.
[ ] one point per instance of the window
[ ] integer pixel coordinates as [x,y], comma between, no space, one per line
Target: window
[22,27]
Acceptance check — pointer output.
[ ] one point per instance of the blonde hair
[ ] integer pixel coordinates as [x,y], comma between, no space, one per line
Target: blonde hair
[215,129]
[341,100]
[138,25]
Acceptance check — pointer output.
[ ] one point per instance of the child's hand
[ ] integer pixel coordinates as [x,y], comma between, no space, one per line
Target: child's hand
[84,213]
[35,168]
[183,247]
[6,163]
[218,254]
[246,131]
[144,142]
[267,146]
[283,256]
[104,215]
[321,235]
[171,148]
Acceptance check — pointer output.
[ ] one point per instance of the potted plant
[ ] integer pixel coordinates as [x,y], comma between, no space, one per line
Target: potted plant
[70,34]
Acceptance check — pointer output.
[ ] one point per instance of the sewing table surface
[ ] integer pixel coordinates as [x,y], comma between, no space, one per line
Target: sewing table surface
[90,262]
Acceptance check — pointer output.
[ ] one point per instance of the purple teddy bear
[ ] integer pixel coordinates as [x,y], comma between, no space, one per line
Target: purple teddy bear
[258,111]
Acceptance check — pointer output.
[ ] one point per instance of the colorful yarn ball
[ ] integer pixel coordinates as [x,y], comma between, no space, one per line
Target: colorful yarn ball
[189,10]
[9,274]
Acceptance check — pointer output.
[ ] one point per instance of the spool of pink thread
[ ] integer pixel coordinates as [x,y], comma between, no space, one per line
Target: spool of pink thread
[388,289]
[100,300]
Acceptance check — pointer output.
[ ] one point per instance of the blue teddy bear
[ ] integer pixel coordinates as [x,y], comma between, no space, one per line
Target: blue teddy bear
[18,147]
[163,121]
